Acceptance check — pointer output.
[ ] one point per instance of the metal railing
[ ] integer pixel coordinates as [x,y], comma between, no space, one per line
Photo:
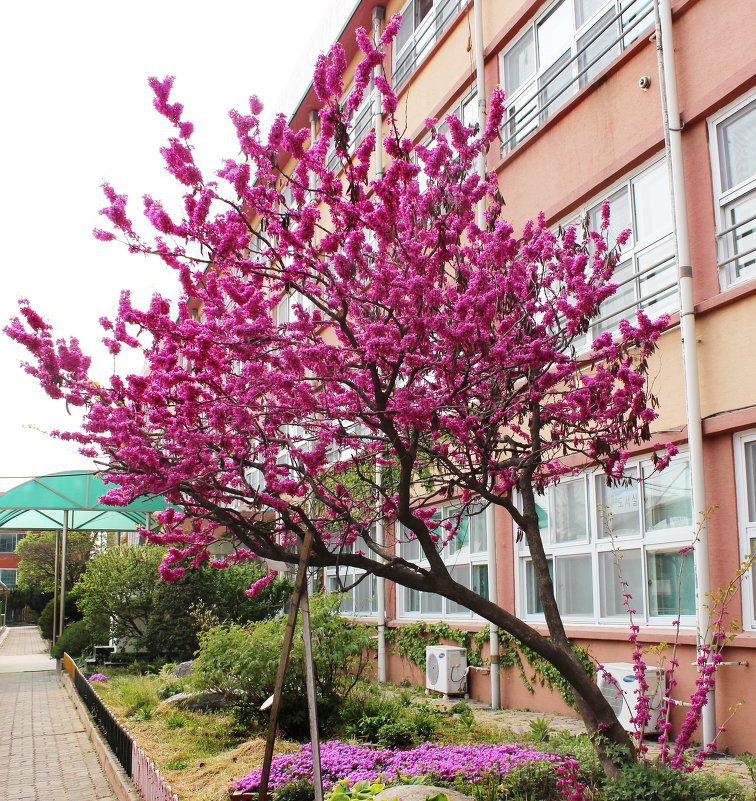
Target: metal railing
[531,110]
[423,37]
[731,240]
[138,766]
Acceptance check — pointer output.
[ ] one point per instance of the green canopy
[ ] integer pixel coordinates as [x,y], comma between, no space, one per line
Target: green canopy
[39,504]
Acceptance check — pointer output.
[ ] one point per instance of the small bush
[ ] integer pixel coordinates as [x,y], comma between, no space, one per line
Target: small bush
[75,640]
[643,782]
[175,722]
[175,764]
[241,664]
[299,790]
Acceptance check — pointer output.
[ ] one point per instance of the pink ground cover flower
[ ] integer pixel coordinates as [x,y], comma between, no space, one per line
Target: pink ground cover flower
[98,677]
[471,763]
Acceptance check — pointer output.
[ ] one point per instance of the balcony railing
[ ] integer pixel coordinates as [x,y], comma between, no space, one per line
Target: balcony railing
[425,34]
[591,52]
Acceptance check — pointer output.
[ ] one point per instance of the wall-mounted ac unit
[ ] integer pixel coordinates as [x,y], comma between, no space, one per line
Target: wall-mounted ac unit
[446,669]
[623,696]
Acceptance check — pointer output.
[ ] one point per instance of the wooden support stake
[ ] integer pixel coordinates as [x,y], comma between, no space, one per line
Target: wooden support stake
[296,597]
[312,708]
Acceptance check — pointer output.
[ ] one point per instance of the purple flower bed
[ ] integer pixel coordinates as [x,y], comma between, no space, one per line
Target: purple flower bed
[471,762]
[98,677]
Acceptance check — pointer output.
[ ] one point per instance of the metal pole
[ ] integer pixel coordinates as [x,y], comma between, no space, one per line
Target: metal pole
[299,587]
[673,149]
[493,594]
[62,610]
[312,704]
[55,589]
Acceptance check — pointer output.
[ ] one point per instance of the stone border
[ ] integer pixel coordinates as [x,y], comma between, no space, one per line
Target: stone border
[115,774]
[4,632]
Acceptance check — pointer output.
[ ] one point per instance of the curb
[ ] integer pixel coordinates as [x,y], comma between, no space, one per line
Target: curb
[4,632]
[117,778]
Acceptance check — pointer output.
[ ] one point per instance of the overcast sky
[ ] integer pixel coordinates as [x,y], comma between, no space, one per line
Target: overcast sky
[77,111]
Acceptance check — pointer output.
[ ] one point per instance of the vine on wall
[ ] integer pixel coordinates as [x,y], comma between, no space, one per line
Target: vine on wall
[411,640]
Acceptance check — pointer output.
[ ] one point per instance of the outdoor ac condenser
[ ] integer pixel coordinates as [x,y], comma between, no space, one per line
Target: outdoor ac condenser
[446,669]
[623,695]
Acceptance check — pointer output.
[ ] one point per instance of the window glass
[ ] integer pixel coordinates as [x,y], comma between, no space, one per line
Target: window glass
[409,548]
[597,48]
[556,85]
[621,303]
[651,200]
[750,465]
[462,522]
[422,9]
[8,577]
[460,574]
[478,540]
[667,501]
[737,147]
[364,596]
[406,29]
[345,602]
[411,600]
[657,282]
[585,9]
[568,512]
[618,508]
[742,238]
[574,584]
[619,215]
[431,603]
[554,35]
[519,63]
[614,569]
[533,598]
[480,580]
[671,583]
[9,540]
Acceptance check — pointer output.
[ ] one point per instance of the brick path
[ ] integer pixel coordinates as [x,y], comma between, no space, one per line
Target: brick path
[45,754]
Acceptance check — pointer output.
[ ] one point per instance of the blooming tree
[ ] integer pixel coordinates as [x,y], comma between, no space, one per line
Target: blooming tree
[365,350]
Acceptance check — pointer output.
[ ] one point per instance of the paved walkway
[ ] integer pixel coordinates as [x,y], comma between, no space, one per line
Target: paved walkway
[45,753]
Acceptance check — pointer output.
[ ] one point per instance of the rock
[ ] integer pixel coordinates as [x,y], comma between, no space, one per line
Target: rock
[196,702]
[419,792]
[183,669]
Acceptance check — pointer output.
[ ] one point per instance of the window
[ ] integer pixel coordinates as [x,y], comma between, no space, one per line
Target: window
[9,540]
[465,555]
[423,21]
[733,149]
[745,487]
[646,274]
[8,577]
[360,600]
[360,122]
[597,537]
[564,49]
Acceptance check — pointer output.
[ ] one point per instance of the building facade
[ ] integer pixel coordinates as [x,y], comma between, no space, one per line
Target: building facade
[9,559]
[584,124]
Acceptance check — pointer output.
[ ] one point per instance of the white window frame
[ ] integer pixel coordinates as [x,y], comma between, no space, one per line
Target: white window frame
[645,542]
[455,556]
[665,299]
[724,199]
[413,52]
[528,105]
[746,527]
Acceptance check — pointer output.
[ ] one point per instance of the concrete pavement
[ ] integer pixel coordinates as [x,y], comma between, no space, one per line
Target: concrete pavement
[45,753]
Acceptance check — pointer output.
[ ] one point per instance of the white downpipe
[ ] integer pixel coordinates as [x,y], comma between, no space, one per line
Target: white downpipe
[493,595]
[673,146]
[379,13]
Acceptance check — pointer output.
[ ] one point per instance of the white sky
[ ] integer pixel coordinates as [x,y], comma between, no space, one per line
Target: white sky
[77,111]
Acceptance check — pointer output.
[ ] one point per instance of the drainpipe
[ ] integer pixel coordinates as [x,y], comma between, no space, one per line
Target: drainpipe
[493,595]
[379,14]
[673,148]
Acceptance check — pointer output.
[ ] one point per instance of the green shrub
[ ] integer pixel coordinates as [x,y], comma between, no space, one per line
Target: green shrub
[75,641]
[299,790]
[641,782]
[241,664]
[531,781]
[135,692]
[45,619]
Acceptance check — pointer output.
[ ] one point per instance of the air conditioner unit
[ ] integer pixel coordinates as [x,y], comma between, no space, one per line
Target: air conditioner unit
[446,669]
[623,696]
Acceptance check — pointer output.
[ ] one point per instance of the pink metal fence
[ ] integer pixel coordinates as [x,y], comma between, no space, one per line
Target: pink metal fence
[147,779]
